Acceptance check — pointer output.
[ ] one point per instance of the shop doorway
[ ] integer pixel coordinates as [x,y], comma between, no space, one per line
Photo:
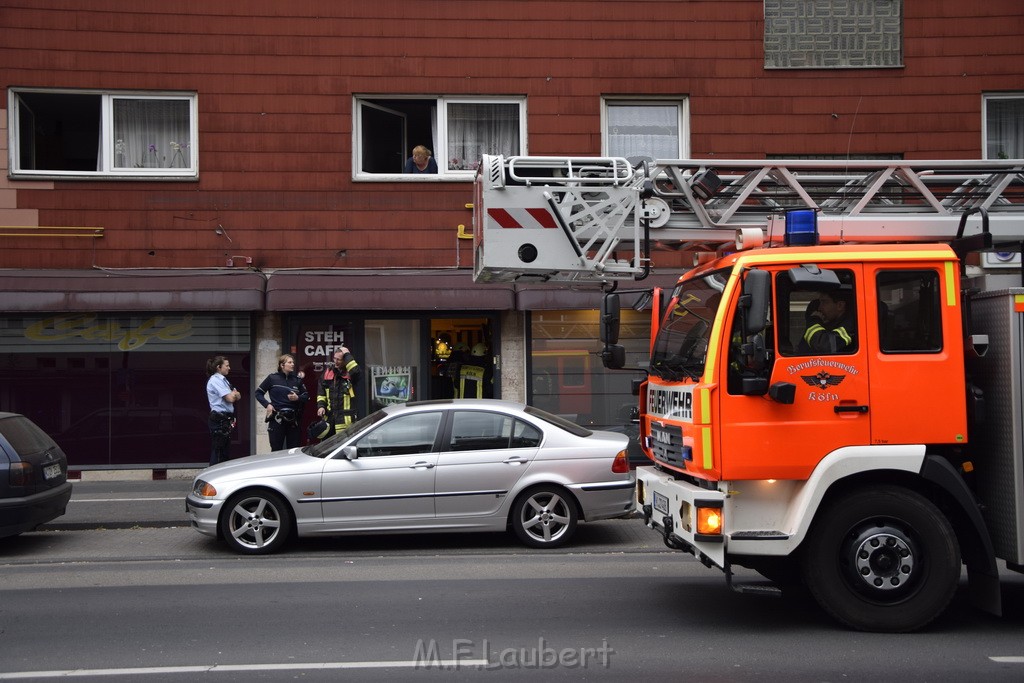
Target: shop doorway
[456,345]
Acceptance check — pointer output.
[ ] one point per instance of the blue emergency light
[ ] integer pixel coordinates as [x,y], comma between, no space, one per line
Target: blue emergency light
[801,228]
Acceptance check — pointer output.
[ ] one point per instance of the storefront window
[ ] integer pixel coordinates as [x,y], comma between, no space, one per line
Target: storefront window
[123,390]
[392,355]
[566,374]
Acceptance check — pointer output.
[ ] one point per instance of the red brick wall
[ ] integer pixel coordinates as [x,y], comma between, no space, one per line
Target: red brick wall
[275,82]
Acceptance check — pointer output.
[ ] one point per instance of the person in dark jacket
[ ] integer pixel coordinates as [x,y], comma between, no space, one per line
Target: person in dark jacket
[830,324]
[336,392]
[421,161]
[283,395]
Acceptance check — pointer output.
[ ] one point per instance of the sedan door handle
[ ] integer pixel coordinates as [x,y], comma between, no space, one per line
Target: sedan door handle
[514,461]
[422,466]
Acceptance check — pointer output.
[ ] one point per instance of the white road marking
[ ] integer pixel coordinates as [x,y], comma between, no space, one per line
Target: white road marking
[120,500]
[214,668]
[1008,660]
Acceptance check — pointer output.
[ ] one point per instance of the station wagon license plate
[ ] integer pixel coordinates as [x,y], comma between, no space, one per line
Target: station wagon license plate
[661,503]
[51,472]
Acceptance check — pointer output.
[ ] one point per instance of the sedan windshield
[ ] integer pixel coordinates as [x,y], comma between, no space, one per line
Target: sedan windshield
[331,443]
[682,342]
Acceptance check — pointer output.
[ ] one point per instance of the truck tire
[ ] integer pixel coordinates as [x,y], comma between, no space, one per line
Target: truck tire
[884,559]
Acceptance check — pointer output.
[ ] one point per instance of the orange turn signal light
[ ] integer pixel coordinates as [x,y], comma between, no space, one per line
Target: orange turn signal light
[206,490]
[709,520]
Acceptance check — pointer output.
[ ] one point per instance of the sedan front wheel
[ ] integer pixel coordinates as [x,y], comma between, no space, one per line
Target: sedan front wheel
[256,522]
[544,517]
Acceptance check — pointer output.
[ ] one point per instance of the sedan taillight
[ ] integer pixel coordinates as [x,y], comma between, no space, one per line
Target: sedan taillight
[621,463]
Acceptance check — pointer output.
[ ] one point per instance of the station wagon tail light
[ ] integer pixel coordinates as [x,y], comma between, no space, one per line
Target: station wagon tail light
[621,463]
[709,520]
[20,474]
[204,489]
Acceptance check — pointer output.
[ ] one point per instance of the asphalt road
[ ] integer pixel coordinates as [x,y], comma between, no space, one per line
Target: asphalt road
[117,593]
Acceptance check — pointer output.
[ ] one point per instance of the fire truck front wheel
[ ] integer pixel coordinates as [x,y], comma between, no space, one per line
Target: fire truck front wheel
[884,559]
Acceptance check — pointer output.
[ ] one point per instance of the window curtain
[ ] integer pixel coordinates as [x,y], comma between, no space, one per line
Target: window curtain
[643,130]
[150,133]
[1005,128]
[475,129]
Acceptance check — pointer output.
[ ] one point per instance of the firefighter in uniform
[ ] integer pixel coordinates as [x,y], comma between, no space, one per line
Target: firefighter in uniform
[336,393]
[476,374]
[830,326]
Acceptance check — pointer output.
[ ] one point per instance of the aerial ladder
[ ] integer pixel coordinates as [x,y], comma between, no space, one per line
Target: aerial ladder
[598,219]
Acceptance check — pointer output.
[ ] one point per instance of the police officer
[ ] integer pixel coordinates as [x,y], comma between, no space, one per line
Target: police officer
[336,393]
[476,374]
[287,395]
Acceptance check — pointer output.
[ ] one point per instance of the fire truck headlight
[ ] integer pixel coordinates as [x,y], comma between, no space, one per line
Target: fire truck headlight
[709,520]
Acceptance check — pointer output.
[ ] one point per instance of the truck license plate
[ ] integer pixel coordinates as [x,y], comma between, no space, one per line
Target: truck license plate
[661,503]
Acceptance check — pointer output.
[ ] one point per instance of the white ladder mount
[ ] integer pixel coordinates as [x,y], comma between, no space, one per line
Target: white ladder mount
[594,219]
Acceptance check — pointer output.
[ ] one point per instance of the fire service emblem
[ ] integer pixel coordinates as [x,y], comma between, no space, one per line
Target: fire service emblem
[823,380]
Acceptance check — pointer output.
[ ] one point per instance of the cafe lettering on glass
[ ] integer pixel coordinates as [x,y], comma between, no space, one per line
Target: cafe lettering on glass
[128,336]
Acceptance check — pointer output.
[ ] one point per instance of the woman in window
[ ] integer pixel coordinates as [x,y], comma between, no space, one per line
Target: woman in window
[421,161]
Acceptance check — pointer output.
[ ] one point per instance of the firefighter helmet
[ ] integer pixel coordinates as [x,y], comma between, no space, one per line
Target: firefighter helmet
[479,349]
[319,429]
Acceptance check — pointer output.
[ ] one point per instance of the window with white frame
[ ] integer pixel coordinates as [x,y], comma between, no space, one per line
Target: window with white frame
[90,133]
[655,129]
[457,131]
[1004,126]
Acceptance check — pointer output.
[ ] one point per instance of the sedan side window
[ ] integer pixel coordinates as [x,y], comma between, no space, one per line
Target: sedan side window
[405,435]
[474,430]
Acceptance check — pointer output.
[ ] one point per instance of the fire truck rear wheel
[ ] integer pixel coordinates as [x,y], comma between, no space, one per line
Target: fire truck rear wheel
[884,559]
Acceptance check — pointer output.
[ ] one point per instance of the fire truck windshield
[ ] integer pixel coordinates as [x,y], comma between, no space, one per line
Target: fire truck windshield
[682,341]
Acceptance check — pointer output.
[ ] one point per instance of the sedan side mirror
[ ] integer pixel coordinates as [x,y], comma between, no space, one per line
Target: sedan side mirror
[350,453]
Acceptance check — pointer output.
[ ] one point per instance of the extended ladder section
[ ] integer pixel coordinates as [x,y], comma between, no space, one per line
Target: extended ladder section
[597,219]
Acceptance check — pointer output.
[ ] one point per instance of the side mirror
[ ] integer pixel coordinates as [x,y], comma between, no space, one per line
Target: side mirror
[609,324]
[350,453]
[613,356]
[756,294]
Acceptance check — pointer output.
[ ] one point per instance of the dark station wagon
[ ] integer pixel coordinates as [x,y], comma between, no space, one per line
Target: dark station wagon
[34,486]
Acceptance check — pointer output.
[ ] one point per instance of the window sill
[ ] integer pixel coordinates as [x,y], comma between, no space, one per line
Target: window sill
[103,177]
[414,177]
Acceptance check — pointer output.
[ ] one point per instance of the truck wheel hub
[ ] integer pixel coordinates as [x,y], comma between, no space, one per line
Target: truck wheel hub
[884,559]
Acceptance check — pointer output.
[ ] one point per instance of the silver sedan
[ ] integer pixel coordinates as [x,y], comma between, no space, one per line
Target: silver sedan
[455,465]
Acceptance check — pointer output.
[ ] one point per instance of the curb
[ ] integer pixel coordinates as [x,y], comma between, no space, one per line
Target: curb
[133,475]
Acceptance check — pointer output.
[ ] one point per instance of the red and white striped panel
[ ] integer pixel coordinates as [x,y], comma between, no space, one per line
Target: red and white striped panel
[522,218]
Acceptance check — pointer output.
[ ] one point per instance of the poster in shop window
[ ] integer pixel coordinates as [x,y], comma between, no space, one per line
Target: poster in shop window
[392,384]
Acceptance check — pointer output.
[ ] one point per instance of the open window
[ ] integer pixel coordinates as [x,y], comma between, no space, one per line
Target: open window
[457,131]
[64,133]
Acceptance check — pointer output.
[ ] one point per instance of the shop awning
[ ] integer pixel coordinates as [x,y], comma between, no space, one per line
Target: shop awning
[384,290]
[546,297]
[109,290]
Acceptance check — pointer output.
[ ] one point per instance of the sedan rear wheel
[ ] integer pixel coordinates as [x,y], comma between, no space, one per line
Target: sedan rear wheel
[544,517]
[256,522]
